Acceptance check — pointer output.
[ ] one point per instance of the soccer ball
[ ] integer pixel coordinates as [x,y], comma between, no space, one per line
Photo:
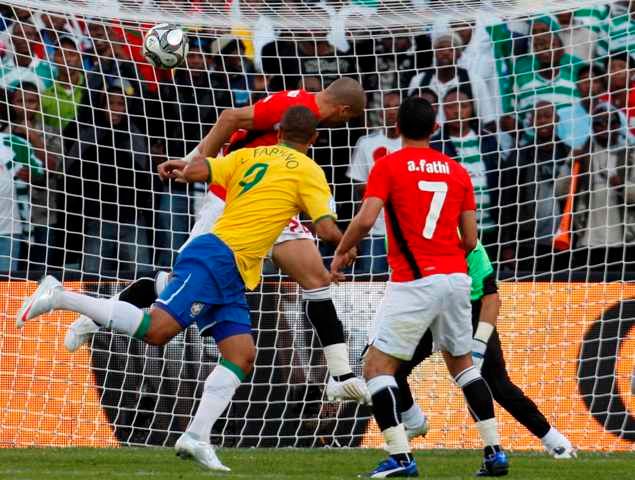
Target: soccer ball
[165,46]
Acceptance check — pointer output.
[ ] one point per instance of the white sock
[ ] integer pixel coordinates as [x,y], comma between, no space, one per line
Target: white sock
[396,440]
[108,312]
[413,417]
[220,387]
[489,432]
[337,359]
[554,439]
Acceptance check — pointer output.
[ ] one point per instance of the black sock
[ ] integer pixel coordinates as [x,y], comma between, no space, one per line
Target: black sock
[386,408]
[405,394]
[323,317]
[491,450]
[479,399]
[140,292]
[402,457]
[477,394]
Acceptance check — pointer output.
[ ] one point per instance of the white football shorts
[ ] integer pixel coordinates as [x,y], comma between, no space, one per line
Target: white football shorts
[212,207]
[438,302]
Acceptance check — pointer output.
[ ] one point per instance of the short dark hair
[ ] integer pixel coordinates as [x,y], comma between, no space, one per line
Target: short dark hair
[298,125]
[416,118]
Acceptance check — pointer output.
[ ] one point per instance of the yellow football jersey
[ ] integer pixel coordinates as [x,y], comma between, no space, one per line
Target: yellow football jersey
[266,187]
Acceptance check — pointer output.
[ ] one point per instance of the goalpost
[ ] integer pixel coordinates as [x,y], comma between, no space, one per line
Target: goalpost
[79,199]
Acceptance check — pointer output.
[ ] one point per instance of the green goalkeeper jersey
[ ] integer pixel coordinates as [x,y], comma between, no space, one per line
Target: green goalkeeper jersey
[479,267]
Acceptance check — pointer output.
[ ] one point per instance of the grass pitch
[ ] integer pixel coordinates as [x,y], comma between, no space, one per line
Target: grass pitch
[315,464]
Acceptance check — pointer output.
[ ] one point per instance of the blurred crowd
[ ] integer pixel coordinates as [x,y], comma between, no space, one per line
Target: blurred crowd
[539,112]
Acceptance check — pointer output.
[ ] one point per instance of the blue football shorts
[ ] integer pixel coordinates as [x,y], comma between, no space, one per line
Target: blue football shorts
[206,288]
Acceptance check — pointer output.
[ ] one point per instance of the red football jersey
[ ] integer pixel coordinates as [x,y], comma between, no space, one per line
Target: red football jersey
[424,192]
[268,113]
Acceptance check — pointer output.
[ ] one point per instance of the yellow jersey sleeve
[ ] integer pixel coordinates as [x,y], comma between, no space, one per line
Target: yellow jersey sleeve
[221,169]
[315,195]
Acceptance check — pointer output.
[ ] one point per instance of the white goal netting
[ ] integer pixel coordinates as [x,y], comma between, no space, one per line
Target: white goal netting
[536,99]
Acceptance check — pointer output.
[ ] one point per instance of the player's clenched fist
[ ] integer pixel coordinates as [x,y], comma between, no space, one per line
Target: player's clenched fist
[169,168]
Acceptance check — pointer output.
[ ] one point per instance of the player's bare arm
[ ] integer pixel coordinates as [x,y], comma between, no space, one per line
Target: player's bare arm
[469,230]
[357,230]
[228,122]
[168,169]
[197,170]
[490,306]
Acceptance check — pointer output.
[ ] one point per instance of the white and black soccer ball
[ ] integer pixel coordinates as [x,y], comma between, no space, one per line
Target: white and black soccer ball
[165,46]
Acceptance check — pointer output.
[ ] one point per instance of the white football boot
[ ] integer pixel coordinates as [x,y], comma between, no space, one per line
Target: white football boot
[80,332]
[40,302]
[420,431]
[353,389]
[189,447]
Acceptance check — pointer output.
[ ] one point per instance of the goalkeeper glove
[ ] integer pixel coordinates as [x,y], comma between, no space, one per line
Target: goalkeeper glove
[478,352]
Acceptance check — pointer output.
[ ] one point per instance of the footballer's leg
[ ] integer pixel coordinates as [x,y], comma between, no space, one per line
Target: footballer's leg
[143,291]
[238,351]
[156,327]
[521,407]
[452,332]
[301,260]
[414,420]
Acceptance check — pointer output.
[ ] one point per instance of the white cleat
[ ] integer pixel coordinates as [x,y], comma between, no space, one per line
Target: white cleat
[354,389]
[563,452]
[40,302]
[420,431]
[187,446]
[79,333]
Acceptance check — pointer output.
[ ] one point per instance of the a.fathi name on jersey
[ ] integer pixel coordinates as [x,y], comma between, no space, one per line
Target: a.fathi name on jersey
[429,167]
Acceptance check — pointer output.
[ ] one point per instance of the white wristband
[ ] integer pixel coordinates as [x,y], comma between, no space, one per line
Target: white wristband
[190,156]
[484,330]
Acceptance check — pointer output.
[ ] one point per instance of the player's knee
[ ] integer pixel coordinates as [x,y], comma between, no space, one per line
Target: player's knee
[316,278]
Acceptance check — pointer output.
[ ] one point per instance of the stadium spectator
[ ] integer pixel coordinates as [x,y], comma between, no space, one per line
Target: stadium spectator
[550,74]
[618,31]
[26,122]
[233,73]
[191,109]
[446,74]
[477,150]
[61,102]
[319,58]
[620,82]
[488,55]
[105,65]
[20,63]
[605,200]
[535,180]
[388,63]
[371,257]
[19,166]
[109,188]
[580,31]
[591,85]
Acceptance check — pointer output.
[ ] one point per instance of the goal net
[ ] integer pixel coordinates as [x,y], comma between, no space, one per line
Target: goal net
[535,99]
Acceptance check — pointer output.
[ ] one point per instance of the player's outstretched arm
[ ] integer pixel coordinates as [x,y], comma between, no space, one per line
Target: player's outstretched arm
[228,122]
[357,230]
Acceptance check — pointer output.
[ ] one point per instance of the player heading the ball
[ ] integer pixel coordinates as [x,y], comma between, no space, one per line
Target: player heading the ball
[427,197]
[266,187]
